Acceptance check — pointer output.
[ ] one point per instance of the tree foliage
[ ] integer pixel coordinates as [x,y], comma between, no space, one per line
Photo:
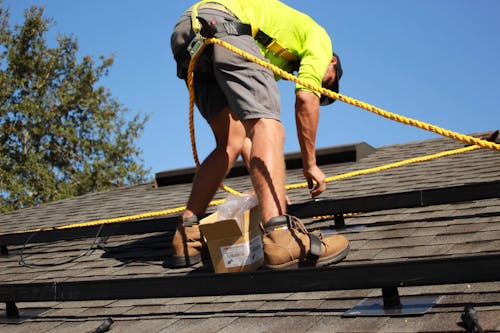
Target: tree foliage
[61,134]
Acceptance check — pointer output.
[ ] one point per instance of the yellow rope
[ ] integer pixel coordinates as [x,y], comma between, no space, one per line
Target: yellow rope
[389,166]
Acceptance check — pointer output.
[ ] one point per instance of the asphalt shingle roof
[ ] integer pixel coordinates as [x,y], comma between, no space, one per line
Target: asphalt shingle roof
[446,230]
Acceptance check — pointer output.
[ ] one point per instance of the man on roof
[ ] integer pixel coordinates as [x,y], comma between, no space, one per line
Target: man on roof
[240,101]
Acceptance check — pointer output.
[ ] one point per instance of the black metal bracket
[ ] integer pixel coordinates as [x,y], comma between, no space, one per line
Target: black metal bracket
[339,220]
[340,225]
[390,296]
[11,310]
[4,250]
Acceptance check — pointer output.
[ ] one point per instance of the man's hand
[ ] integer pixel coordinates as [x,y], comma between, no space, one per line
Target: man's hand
[316,180]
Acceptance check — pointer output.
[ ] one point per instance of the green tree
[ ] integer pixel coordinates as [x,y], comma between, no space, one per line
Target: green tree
[61,134]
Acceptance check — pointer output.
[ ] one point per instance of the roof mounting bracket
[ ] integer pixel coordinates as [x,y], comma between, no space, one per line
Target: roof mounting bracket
[392,305]
[339,220]
[11,310]
[391,298]
[339,224]
[13,315]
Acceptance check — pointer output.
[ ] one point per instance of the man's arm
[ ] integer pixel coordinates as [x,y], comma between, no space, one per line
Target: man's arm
[306,119]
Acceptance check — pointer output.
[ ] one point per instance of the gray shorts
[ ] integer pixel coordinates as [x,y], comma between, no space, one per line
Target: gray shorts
[223,78]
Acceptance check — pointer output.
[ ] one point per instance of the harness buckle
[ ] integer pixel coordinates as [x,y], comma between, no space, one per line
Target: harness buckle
[195,44]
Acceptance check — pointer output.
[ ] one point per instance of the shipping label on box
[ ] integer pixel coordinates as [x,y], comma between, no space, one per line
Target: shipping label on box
[242,254]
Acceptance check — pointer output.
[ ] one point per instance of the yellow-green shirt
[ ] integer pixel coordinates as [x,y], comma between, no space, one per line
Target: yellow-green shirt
[296,31]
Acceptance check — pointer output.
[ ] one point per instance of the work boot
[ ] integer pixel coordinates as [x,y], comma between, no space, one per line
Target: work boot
[187,243]
[288,244]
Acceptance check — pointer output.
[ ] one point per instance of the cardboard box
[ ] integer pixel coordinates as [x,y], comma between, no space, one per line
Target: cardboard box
[234,249]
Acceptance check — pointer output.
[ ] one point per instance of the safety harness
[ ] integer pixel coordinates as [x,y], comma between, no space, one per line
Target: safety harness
[204,29]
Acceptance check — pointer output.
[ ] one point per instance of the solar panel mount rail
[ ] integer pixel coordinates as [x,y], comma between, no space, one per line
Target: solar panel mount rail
[385,275]
[319,207]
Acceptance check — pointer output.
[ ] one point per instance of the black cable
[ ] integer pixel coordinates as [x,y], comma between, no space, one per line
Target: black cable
[22,260]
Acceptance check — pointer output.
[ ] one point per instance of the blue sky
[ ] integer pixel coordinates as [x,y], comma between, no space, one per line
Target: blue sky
[433,60]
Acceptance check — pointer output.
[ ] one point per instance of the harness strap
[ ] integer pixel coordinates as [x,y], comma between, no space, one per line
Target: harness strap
[195,23]
[275,47]
[215,29]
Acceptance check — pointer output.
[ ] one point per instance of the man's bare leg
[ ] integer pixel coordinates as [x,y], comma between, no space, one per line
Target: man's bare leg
[229,136]
[267,166]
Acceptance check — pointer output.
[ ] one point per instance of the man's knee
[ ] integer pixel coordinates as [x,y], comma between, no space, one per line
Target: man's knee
[271,128]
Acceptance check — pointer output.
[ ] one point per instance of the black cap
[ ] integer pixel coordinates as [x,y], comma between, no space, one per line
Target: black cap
[325,100]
